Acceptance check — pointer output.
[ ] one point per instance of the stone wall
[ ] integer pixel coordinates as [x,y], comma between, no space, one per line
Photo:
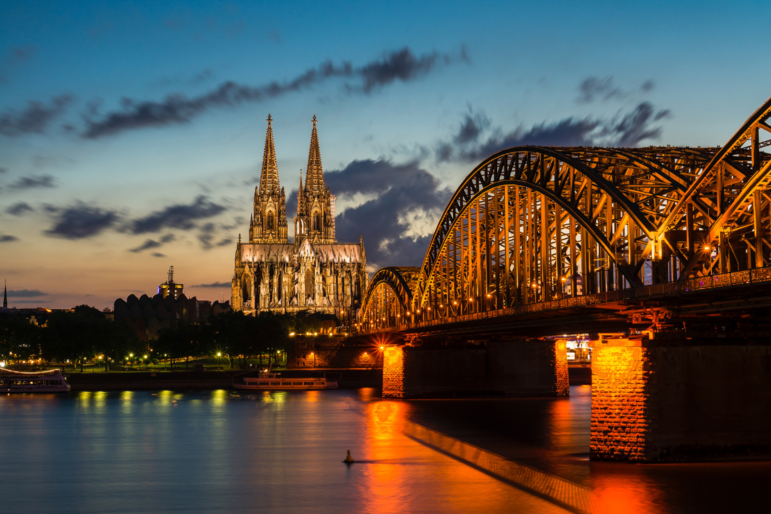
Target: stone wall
[690,402]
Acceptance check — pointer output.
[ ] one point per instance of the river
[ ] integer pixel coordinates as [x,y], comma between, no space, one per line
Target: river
[221,451]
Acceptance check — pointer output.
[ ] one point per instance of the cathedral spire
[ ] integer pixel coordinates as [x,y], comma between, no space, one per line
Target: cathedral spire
[314,175]
[5,295]
[269,174]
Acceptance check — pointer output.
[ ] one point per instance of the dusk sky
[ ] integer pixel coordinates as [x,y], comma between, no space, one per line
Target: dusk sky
[131,133]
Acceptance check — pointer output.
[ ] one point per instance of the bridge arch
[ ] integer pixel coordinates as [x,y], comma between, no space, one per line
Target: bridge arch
[388,297]
[534,224]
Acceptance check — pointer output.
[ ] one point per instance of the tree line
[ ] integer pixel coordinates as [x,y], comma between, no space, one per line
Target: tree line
[86,336]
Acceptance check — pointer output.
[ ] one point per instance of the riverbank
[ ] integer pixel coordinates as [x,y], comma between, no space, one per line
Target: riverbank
[206,380]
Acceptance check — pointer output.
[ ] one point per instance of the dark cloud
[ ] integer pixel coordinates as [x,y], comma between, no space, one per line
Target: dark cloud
[626,130]
[403,191]
[151,243]
[157,254]
[33,182]
[604,89]
[404,66]
[23,53]
[595,87]
[214,284]
[26,293]
[181,216]
[3,170]
[5,238]
[35,119]
[401,65]
[80,221]
[208,232]
[19,208]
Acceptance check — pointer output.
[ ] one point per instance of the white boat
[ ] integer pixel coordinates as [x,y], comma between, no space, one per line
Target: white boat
[51,381]
[274,382]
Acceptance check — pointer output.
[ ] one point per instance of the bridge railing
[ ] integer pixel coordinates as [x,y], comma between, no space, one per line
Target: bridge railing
[737,278]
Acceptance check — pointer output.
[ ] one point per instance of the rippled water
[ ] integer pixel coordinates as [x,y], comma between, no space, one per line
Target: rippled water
[220,451]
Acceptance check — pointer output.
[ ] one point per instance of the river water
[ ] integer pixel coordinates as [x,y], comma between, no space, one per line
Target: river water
[221,451]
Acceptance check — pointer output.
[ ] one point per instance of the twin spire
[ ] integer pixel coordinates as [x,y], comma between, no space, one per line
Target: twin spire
[314,180]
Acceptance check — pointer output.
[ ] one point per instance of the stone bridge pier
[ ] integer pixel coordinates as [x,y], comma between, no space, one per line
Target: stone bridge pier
[680,400]
[513,367]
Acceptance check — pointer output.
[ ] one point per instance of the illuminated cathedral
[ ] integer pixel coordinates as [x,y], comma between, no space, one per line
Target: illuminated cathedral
[314,272]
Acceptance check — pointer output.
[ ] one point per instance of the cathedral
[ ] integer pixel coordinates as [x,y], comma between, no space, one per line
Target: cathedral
[314,272]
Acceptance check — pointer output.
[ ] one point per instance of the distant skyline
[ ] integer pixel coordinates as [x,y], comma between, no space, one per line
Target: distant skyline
[131,133]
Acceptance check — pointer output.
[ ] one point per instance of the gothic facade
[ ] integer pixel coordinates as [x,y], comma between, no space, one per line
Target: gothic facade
[314,272]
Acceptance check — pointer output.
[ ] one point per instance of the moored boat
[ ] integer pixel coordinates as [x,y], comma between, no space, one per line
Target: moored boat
[51,381]
[275,382]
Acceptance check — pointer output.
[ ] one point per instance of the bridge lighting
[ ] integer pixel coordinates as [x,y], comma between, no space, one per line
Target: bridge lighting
[219,354]
[454,302]
[563,279]
[382,347]
[441,306]
[707,248]
[471,299]
[418,312]
[488,295]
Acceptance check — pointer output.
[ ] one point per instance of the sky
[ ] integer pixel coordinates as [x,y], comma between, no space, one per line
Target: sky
[131,133]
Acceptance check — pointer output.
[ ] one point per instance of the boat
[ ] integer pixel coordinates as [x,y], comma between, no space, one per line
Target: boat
[267,381]
[51,381]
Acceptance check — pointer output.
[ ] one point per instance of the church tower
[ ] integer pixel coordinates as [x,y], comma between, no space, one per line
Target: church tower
[315,220]
[268,223]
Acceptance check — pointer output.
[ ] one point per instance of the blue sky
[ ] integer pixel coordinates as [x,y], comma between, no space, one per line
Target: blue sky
[140,125]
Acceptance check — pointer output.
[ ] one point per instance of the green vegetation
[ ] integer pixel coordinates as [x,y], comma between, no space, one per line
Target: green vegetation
[86,338]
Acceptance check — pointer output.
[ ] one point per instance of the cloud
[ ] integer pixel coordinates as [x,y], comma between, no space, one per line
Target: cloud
[604,89]
[157,254]
[401,65]
[404,66]
[214,284]
[209,232]
[20,208]
[5,238]
[22,53]
[150,243]
[625,129]
[181,216]
[398,224]
[26,293]
[33,182]
[80,221]
[35,119]
[3,170]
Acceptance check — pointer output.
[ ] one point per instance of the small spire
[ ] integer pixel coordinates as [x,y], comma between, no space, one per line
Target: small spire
[5,295]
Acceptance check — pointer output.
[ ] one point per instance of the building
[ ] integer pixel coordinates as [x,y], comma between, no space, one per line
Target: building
[170,287]
[147,316]
[314,272]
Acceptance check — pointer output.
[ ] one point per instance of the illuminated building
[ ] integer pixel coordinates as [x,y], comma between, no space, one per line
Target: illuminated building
[170,287]
[313,273]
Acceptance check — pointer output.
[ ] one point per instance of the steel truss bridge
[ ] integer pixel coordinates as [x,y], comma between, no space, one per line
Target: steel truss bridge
[538,234]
